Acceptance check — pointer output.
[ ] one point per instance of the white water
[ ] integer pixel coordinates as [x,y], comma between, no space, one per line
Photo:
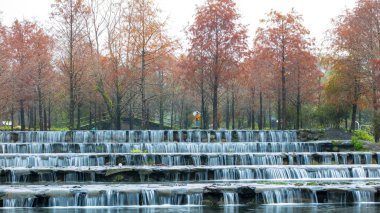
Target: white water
[149,136]
[286,195]
[171,157]
[230,198]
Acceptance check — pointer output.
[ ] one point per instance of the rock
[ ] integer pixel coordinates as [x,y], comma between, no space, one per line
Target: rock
[246,191]
[14,137]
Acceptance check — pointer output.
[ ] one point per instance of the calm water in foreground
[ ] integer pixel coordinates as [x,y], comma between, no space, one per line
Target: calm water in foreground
[280,208]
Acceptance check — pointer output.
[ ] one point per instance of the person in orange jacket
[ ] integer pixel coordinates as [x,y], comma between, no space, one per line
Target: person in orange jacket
[197,119]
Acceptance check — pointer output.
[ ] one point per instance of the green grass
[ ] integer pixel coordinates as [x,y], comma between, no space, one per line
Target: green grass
[136,151]
[18,128]
[312,184]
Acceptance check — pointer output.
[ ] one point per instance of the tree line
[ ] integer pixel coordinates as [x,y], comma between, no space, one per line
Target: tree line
[111,64]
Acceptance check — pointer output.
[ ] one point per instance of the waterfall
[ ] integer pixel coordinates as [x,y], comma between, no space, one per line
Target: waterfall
[180,167]
[228,136]
[146,136]
[157,136]
[170,136]
[363,196]
[218,136]
[302,159]
[149,197]
[287,195]
[357,158]
[106,198]
[344,158]
[230,198]
[336,158]
[368,158]
[194,199]
[359,172]
[180,136]
[327,159]
[28,202]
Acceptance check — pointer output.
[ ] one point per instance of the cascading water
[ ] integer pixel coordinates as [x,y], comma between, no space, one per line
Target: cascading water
[363,196]
[286,195]
[183,167]
[148,136]
[230,198]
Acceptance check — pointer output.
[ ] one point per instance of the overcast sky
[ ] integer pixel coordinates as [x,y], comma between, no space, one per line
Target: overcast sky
[317,14]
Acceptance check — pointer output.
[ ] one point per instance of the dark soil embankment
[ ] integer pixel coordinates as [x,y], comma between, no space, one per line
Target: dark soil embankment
[325,134]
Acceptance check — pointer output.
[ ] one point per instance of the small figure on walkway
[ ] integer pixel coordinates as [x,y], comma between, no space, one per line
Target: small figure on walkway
[197,118]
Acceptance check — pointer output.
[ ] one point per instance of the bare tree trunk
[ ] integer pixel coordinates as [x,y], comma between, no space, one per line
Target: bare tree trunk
[233,110]
[279,109]
[12,118]
[35,118]
[30,118]
[90,119]
[147,116]
[204,114]
[270,113]
[131,118]
[45,120]
[22,115]
[78,117]
[49,115]
[40,106]
[143,102]
[186,117]
[376,114]
[95,115]
[215,104]
[117,121]
[353,117]
[100,116]
[283,97]
[181,114]
[264,119]
[261,110]
[346,123]
[172,111]
[249,120]
[298,99]
[161,99]
[298,122]
[253,119]
[227,112]
[282,120]
[71,70]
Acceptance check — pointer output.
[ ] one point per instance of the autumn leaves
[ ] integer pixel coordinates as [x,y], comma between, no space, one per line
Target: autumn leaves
[111,64]
[280,67]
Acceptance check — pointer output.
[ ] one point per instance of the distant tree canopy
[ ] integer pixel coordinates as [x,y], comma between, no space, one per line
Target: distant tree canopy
[113,65]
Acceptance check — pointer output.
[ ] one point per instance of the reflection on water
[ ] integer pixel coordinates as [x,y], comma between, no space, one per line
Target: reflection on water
[280,208]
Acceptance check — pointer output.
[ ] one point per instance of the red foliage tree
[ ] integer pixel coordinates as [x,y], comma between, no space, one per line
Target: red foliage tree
[218,43]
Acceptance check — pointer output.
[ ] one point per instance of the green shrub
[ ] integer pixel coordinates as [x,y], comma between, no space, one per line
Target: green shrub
[336,142]
[358,145]
[363,135]
[136,151]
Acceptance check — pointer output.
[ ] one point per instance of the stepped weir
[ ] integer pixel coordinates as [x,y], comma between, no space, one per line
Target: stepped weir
[181,167]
